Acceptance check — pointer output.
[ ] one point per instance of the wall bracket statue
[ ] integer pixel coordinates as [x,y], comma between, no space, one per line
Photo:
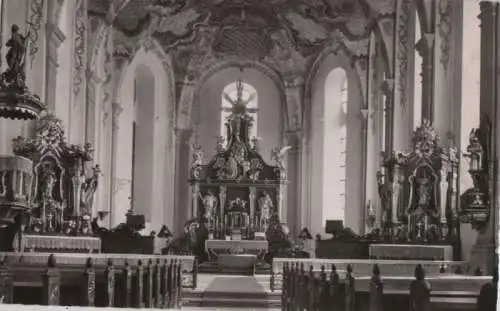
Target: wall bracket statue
[16,101]
[475,202]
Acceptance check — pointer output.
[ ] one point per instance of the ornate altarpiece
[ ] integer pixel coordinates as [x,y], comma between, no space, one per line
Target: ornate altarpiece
[418,191]
[237,194]
[63,187]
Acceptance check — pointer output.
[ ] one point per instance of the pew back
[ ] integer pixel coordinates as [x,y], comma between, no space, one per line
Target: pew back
[68,262]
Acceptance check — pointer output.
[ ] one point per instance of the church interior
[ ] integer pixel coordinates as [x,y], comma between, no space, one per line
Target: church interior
[225,154]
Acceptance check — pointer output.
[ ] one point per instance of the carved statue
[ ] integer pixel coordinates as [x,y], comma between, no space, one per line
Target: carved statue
[16,56]
[279,156]
[88,190]
[197,156]
[424,192]
[48,183]
[209,204]
[265,206]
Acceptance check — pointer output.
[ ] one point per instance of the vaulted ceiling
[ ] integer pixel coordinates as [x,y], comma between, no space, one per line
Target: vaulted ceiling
[287,33]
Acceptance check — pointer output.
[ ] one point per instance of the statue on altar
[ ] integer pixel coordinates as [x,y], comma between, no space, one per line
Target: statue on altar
[89,187]
[209,205]
[265,208]
[48,183]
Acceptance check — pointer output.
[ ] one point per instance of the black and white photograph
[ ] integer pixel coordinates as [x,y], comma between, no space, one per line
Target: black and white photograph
[249,155]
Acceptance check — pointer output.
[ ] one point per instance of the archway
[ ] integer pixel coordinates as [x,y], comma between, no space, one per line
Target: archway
[334,132]
[144,156]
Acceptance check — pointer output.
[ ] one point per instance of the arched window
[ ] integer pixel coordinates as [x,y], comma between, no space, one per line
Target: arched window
[248,96]
[335,142]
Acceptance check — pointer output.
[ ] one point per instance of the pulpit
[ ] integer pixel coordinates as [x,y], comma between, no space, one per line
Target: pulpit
[418,191]
[237,195]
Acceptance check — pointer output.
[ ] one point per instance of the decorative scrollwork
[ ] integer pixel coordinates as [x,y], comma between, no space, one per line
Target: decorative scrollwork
[35,23]
[79,48]
[425,139]
[402,54]
[445,30]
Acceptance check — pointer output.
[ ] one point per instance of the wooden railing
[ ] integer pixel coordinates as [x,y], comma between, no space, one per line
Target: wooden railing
[306,289]
[363,267]
[107,280]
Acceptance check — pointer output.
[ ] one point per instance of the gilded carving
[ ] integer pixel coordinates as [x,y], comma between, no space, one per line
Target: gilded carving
[403,26]
[79,47]
[445,29]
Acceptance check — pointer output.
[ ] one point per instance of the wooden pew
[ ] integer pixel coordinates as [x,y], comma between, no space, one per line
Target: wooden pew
[318,291]
[68,262]
[156,284]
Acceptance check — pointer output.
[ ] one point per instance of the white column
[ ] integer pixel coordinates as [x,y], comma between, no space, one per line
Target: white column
[445,56]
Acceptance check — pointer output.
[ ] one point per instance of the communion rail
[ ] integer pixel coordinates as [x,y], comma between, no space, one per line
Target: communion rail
[103,280]
[330,289]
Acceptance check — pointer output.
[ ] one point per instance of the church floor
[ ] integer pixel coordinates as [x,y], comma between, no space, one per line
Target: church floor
[231,292]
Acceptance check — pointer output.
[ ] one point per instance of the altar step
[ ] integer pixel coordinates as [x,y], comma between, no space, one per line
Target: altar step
[212,267]
[230,291]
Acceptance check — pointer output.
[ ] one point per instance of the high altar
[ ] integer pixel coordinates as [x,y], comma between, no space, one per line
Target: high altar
[418,191]
[237,195]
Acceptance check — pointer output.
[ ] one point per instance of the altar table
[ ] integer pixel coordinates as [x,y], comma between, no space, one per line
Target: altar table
[235,256]
[57,243]
[411,252]
[236,246]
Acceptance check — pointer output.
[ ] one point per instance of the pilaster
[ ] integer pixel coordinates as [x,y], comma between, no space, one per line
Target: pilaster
[483,252]
[293,196]
[79,113]
[55,39]
[186,89]
[425,47]
[374,125]
[115,183]
[182,204]
[293,137]
[403,74]
[445,108]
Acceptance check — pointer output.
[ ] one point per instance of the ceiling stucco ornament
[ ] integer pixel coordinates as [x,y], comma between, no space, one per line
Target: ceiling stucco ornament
[382,7]
[176,22]
[285,57]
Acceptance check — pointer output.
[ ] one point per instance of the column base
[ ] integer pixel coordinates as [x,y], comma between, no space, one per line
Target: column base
[483,257]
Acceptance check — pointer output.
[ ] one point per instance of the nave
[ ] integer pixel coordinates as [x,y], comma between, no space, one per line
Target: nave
[154,153]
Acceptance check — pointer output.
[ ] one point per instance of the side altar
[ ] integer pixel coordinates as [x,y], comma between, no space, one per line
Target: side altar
[418,192]
[237,196]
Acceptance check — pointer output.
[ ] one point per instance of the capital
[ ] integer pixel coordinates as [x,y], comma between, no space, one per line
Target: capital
[117,109]
[425,44]
[387,86]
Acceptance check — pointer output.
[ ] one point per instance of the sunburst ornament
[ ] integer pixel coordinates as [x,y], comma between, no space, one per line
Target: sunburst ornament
[239,105]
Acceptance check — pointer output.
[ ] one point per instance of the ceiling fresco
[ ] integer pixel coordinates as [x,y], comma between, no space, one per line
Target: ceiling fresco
[284,33]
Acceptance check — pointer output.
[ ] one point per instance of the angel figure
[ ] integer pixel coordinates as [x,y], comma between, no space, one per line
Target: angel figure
[88,190]
[197,156]
[279,156]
